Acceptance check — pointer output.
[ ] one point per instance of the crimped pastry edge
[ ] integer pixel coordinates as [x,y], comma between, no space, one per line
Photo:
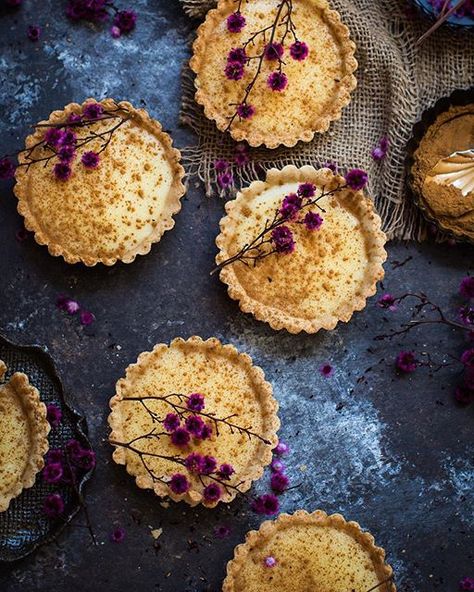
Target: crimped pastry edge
[321,124]
[319,517]
[35,412]
[176,192]
[268,402]
[276,318]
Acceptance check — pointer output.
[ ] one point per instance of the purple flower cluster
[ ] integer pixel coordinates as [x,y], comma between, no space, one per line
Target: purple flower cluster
[282,236]
[236,22]
[388,302]
[7,169]
[356,179]
[379,152]
[72,307]
[62,467]
[266,504]
[466,583]
[96,11]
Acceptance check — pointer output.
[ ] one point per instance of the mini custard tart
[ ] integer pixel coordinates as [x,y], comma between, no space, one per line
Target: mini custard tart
[273,73]
[314,249]
[303,552]
[194,421]
[99,182]
[23,436]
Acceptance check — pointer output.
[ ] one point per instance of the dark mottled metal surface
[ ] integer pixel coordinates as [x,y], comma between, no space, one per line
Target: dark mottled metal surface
[393,453]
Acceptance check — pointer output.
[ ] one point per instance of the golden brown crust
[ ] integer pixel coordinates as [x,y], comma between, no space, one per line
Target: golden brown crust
[173,198]
[38,427]
[269,528]
[278,318]
[263,389]
[320,122]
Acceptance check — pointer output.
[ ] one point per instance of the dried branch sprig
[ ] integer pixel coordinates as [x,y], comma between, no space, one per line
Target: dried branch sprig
[272,38]
[276,236]
[424,304]
[182,410]
[61,143]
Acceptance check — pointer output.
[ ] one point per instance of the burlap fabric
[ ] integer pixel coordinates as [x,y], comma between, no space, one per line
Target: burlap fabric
[397,80]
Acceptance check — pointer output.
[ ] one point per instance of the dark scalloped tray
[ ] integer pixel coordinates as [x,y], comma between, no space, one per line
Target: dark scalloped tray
[458,97]
[24,527]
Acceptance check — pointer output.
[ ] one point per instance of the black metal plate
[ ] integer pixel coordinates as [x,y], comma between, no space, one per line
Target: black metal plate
[24,526]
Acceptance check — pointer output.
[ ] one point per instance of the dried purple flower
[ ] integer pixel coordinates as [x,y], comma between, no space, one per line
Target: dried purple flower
[125,20]
[194,462]
[225,471]
[274,51]
[86,318]
[115,32]
[237,55]
[313,221]
[180,437]
[195,402]
[245,111]
[62,171]
[234,71]
[277,81]
[7,169]
[93,111]
[73,449]
[67,304]
[85,459]
[194,425]
[326,370]
[53,137]
[117,535]
[208,465]
[281,448]
[387,301]
[179,484]
[406,362]
[34,32]
[299,51]
[466,315]
[67,154]
[267,504]
[90,160]
[53,505]
[74,118]
[306,190]
[380,151]
[225,180]
[277,466]
[282,237]
[52,473]
[241,158]
[206,432]
[466,288]
[221,165]
[235,22]
[171,422]
[279,482]
[68,138]
[290,206]
[269,561]
[466,583]
[54,415]
[212,492]
[332,166]
[356,179]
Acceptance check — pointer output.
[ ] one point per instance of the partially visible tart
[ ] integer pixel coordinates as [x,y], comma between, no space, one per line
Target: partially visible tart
[318,86]
[442,172]
[309,552]
[23,436]
[116,194]
[204,381]
[332,270]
